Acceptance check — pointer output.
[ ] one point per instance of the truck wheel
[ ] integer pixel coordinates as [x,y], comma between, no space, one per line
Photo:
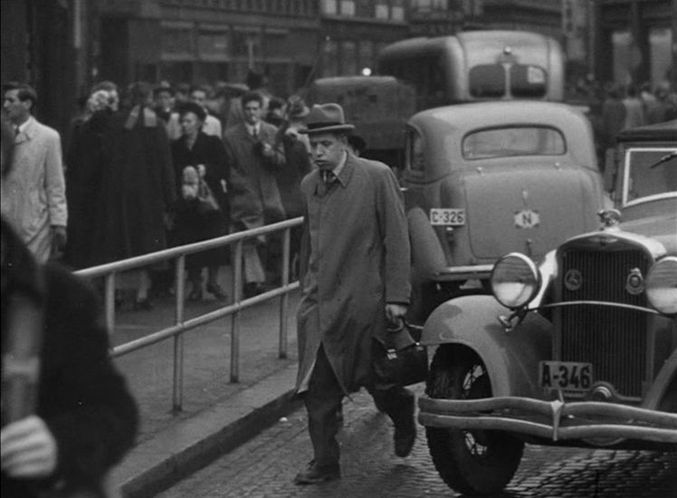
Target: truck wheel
[476,462]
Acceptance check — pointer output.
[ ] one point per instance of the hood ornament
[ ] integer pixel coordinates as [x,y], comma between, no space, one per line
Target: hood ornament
[610,218]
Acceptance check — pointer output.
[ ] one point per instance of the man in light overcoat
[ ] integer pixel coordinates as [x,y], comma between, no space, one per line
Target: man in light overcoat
[355,279]
[34,192]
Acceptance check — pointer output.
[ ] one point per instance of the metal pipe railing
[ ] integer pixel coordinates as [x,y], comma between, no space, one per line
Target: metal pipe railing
[181,325]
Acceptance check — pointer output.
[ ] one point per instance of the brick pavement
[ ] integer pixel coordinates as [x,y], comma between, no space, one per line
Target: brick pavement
[265,466]
[216,414]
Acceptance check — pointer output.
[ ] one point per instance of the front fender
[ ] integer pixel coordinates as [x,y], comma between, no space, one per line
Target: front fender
[662,389]
[511,358]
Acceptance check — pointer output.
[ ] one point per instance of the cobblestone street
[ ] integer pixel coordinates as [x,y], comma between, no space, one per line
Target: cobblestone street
[266,465]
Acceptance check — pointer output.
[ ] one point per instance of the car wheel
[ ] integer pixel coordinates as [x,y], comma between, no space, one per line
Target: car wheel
[473,462]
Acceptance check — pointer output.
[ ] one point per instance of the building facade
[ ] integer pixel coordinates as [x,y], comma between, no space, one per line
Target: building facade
[635,41]
[197,41]
[353,31]
[63,46]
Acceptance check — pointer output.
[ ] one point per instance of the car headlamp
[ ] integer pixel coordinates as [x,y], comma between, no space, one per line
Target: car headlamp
[661,285]
[515,280]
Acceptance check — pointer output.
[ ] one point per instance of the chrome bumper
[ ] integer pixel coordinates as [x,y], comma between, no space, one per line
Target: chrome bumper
[555,420]
[452,273]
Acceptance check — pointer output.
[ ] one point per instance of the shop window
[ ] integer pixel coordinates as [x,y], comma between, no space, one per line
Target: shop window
[329,7]
[349,58]
[331,58]
[246,44]
[348,8]
[366,54]
[177,41]
[213,45]
[397,10]
[177,72]
[660,42]
[625,55]
[276,44]
[382,11]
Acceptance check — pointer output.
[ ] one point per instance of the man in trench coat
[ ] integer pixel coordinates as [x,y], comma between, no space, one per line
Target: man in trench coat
[355,279]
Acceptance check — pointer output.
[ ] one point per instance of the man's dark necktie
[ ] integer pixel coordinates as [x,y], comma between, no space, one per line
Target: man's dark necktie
[328,177]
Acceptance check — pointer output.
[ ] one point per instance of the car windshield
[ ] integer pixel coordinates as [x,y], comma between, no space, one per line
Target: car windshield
[649,172]
[513,141]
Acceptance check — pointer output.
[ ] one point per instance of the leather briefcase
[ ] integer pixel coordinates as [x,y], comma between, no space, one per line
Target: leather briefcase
[400,359]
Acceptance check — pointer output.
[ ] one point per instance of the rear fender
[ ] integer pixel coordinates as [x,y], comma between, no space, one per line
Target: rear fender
[426,251]
[511,358]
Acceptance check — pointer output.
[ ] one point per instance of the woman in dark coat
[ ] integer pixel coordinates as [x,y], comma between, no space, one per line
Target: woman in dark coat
[199,161]
[83,180]
[137,187]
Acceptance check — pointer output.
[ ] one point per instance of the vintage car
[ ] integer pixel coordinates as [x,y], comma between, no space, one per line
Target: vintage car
[485,179]
[578,351]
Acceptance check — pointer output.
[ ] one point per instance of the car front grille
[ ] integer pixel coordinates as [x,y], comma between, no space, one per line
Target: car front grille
[612,339]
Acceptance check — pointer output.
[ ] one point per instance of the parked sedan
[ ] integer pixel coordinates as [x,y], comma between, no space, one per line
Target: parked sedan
[580,351]
[489,178]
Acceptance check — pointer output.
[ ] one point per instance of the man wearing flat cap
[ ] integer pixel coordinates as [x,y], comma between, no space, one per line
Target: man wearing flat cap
[355,280]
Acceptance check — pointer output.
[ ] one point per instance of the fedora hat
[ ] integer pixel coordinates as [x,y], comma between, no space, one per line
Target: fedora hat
[325,118]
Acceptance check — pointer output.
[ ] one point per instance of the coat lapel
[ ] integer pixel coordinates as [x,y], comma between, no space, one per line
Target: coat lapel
[28,133]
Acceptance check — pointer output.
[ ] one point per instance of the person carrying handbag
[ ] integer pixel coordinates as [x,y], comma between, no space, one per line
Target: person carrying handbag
[201,210]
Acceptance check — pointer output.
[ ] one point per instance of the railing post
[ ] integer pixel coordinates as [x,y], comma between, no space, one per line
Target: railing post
[109,300]
[284,298]
[177,384]
[235,317]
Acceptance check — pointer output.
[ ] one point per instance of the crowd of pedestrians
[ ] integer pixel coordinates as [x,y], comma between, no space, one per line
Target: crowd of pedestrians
[150,167]
[614,107]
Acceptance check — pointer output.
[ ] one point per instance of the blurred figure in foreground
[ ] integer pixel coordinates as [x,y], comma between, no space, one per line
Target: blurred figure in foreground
[67,415]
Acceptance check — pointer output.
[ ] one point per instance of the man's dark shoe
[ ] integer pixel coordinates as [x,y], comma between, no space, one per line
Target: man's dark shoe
[405,429]
[216,290]
[316,474]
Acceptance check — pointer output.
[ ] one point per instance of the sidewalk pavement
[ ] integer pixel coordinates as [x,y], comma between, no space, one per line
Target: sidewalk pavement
[217,415]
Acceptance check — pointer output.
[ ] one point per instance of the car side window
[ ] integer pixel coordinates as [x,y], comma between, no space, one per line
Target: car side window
[415,158]
[649,172]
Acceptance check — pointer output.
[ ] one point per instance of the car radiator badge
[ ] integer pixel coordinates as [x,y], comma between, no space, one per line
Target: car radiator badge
[573,279]
[634,284]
